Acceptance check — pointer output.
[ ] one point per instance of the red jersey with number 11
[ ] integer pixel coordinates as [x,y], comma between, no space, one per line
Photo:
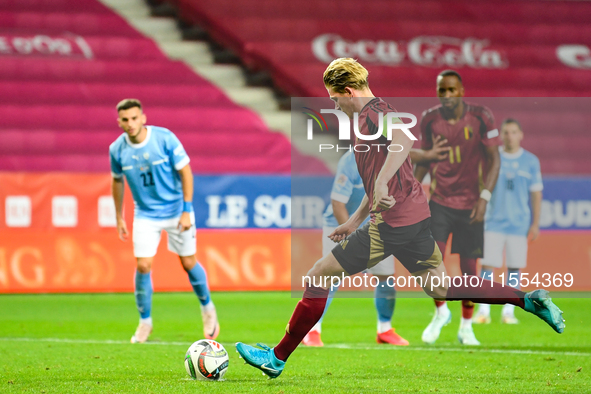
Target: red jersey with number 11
[457,181]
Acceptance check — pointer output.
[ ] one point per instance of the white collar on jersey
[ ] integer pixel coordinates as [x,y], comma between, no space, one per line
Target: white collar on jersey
[141,144]
[515,155]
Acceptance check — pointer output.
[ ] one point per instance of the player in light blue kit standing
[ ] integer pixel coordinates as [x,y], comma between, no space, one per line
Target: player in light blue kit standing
[156,166]
[509,222]
[346,196]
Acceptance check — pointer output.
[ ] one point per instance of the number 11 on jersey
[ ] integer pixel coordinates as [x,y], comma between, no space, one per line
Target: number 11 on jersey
[147,178]
[455,156]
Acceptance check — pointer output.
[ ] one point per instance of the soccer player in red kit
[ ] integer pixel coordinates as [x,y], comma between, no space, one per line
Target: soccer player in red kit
[399,226]
[460,187]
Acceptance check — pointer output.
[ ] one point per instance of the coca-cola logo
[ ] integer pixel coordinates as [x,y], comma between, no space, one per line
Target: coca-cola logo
[427,51]
[43,45]
[576,56]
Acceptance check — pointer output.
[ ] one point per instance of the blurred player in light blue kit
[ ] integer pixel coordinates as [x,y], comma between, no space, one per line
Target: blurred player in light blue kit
[346,196]
[157,169]
[509,222]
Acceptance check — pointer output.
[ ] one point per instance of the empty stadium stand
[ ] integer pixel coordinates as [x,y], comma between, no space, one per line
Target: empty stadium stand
[502,48]
[64,64]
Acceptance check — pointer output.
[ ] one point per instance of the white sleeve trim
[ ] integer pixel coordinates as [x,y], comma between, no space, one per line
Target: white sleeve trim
[116,176]
[339,197]
[182,163]
[538,187]
[178,150]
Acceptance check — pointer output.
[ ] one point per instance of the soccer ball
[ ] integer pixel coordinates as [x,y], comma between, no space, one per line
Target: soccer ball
[206,360]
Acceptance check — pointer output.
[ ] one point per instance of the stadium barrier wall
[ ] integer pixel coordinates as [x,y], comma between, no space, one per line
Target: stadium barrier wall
[57,233]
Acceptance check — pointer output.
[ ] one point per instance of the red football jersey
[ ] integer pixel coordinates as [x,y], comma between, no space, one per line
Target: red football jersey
[411,201]
[457,182]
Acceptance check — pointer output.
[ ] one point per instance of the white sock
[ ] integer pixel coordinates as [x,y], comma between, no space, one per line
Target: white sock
[317,327]
[508,310]
[484,309]
[465,323]
[208,307]
[147,320]
[442,309]
[384,326]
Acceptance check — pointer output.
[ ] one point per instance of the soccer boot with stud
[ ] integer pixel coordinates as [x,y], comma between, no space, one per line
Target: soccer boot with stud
[540,304]
[262,358]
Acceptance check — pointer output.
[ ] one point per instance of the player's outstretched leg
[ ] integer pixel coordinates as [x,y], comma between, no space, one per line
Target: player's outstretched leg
[464,288]
[143,299]
[198,279]
[537,302]
[385,302]
[313,338]
[306,314]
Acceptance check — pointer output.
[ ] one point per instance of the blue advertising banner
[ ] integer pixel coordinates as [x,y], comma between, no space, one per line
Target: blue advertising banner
[237,201]
[275,201]
[566,204]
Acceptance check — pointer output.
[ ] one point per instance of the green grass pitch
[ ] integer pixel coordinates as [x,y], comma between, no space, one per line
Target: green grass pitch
[80,344]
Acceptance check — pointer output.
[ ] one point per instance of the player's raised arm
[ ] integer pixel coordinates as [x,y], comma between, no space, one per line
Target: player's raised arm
[187,183]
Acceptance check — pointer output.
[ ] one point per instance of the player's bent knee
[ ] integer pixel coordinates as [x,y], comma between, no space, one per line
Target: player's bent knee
[188,262]
[439,293]
[434,282]
[321,274]
[144,264]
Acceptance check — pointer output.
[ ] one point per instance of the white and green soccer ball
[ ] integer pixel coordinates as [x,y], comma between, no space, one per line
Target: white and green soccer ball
[206,359]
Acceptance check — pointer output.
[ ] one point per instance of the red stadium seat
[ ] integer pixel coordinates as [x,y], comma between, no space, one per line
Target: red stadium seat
[66,63]
[502,48]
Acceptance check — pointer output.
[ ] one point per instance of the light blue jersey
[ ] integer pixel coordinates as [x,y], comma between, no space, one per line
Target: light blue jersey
[347,188]
[150,168]
[508,211]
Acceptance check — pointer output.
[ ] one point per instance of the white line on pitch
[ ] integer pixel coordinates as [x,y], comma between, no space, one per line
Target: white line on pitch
[329,346]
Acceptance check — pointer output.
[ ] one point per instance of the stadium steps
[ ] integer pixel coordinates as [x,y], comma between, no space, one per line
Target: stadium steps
[230,78]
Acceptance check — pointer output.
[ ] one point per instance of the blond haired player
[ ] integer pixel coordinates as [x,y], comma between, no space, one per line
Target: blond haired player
[399,226]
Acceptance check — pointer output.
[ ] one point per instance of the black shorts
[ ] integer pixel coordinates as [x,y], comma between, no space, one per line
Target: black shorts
[468,239]
[412,245]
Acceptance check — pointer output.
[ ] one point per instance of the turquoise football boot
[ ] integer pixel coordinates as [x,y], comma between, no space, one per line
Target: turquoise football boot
[540,304]
[263,359]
